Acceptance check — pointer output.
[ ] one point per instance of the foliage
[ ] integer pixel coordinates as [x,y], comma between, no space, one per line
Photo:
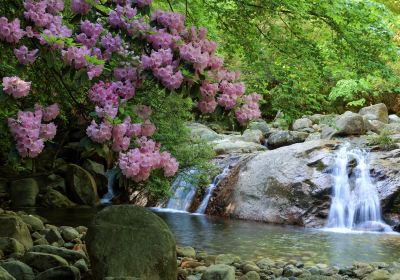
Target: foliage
[382,140]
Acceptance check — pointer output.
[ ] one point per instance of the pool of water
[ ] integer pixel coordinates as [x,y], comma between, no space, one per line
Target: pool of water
[252,240]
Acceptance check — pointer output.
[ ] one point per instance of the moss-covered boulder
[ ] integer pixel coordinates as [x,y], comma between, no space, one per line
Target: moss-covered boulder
[130,241]
[13,226]
[24,192]
[81,185]
[55,199]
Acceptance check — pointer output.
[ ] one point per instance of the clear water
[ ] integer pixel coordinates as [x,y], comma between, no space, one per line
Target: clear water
[111,176]
[355,202]
[252,240]
[184,188]
[209,191]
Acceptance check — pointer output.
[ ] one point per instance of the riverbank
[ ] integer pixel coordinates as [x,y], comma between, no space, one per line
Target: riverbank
[36,249]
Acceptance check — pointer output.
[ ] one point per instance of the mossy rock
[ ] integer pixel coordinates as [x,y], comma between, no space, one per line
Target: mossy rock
[130,241]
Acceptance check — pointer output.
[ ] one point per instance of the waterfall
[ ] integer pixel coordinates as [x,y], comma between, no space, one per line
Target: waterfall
[184,188]
[355,202]
[111,175]
[209,191]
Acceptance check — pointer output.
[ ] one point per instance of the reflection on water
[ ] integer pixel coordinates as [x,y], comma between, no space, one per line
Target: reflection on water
[252,240]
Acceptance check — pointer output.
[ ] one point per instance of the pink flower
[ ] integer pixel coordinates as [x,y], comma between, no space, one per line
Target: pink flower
[10,32]
[25,56]
[99,133]
[47,131]
[16,87]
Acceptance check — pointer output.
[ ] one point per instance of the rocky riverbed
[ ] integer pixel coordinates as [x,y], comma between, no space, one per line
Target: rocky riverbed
[31,248]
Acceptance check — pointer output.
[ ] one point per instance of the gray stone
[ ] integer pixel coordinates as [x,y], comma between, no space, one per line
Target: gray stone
[291,270]
[43,261]
[227,259]
[69,255]
[350,123]
[13,226]
[327,132]
[285,138]
[33,222]
[231,145]
[4,275]
[55,199]
[81,185]
[187,251]
[200,131]
[24,192]
[249,266]
[252,135]
[69,233]
[18,270]
[139,244]
[260,125]
[11,246]
[302,123]
[378,275]
[252,275]
[220,272]
[394,118]
[60,273]
[374,125]
[376,112]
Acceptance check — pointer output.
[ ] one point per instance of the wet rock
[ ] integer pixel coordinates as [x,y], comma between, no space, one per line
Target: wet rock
[185,252]
[55,199]
[302,123]
[81,265]
[291,270]
[350,123]
[81,229]
[265,264]
[11,246]
[69,233]
[60,273]
[98,173]
[362,269]
[378,275]
[81,185]
[18,270]
[285,138]
[220,272]
[139,244]
[69,255]
[376,112]
[327,132]
[54,236]
[227,259]
[24,192]
[34,223]
[249,266]
[40,241]
[13,226]
[252,275]
[56,182]
[43,261]
[201,131]
[4,275]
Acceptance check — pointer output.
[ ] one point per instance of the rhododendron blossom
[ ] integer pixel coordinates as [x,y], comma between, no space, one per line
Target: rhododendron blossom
[24,56]
[10,32]
[16,87]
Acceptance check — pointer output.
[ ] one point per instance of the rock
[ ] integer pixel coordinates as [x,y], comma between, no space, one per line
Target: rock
[24,192]
[252,135]
[302,123]
[249,266]
[230,145]
[220,272]
[81,265]
[81,185]
[376,112]
[314,136]
[395,276]
[139,244]
[56,182]
[285,138]
[4,275]
[41,241]
[288,185]
[316,118]
[55,199]
[259,125]
[350,123]
[60,273]
[43,261]
[265,264]
[378,275]
[18,270]
[187,251]
[13,226]
[327,132]
[200,131]
[374,125]
[33,222]
[71,256]
[81,229]
[98,173]
[11,246]
[394,118]
[362,269]
[69,233]
[54,236]
[227,259]
[291,270]
[252,275]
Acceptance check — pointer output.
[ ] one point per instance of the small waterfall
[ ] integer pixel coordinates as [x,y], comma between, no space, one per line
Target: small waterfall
[111,175]
[355,202]
[184,188]
[209,191]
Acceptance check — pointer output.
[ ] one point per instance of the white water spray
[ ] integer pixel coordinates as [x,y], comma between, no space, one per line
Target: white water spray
[355,203]
[111,175]
[184,188]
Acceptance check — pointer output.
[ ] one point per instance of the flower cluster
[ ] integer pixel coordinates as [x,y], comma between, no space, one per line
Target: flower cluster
[81,6]
[250,109]
[10,32]
[138,163]
[16,87]
[90,33]
[24,56]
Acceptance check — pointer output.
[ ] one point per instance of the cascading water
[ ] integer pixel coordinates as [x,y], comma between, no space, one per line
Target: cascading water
[355,202]
[184,188]
[209,191]
[111,175]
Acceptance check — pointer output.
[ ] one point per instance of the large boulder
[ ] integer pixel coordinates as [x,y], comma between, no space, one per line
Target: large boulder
[260,125]
[285,138]
[4,275]
[43,261]
[24,192]
[376,112]
[252,135]
[201,131]
[13,226]
[69,255]
[98,173]
[302,123]
[230,145]
[81,185]
[394,119]
[60,273]
[350,123]
[138,244]
[18,270]
[33,223]
[220,272]
[55,199]
[11,246]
